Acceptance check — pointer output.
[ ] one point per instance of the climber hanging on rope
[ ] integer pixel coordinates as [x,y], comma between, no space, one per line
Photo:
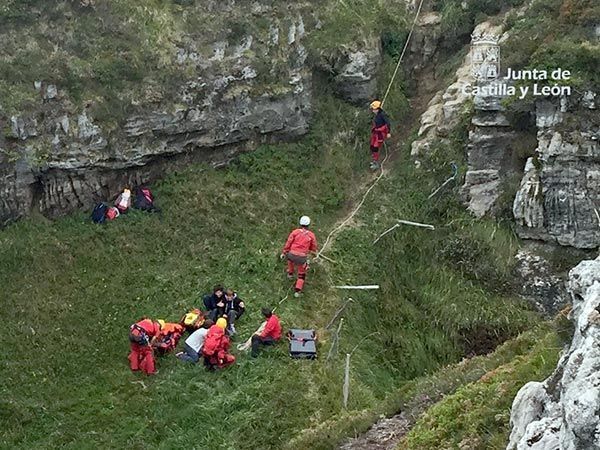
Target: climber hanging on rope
[380,131]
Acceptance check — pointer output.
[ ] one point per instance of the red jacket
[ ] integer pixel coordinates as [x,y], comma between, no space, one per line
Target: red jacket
[216,343]
[272,328]
[300,242]
[151,328]
[379,129]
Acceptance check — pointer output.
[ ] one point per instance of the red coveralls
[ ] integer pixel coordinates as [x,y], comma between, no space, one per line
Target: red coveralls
[379,131]
[142,356]
[215,348]
[299,243]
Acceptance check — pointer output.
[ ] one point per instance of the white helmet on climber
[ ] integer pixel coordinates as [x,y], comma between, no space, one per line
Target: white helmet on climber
[304,221]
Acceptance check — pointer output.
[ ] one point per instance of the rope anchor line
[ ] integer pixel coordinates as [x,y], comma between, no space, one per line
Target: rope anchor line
[389,87]
[404,222]
[454,168]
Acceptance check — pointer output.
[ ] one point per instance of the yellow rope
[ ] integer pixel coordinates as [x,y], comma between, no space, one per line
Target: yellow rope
[403,52]
[353,213]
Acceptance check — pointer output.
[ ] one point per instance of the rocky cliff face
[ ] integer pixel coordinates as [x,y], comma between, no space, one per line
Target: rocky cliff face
[60,161]
[562,411]
[559,195]
[491,138]
[557,200]
[229,95]
[444,110]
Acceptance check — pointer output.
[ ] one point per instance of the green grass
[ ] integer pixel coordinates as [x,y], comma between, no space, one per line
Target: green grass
[477,415]
[555,34]
[409,397]
[71,289]
[350,23]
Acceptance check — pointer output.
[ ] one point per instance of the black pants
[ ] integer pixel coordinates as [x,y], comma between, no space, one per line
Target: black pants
[232,315]
[257,341]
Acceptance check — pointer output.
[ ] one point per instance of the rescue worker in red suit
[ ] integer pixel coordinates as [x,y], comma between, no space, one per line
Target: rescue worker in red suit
[300,243]
[380,131]
[142,335]
[216,347]
[270,334]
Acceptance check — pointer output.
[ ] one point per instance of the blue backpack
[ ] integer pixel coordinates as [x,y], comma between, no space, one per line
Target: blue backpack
[99,213]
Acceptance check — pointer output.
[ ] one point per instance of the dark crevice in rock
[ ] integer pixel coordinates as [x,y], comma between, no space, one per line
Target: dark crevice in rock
[481,340]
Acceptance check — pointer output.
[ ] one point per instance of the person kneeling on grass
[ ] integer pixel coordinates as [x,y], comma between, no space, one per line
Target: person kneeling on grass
[192,348]
[216,347]
[269,335]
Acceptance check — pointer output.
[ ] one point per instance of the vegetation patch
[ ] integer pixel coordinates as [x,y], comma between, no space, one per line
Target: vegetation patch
[477,415]
[415,396]
[75,288]
[555,34]
[71,289]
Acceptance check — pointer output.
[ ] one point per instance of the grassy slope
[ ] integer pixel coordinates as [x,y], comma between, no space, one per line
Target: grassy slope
[414,395]
[71,289]
[76,287]
[477,415]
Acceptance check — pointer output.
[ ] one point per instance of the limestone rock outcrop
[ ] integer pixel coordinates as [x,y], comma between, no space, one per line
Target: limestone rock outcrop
[560,191]
[228,91]
[562,411]
[447,108]
[489,150]
[490,137]
[538,280]
[353,70]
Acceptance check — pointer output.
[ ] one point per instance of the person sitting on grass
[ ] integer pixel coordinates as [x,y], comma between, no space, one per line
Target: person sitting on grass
[192,348]
[269,335]
[215,303]
[216,347]
[234,308]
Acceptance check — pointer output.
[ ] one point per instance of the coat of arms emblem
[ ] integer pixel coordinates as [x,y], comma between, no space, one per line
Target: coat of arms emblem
[485,56]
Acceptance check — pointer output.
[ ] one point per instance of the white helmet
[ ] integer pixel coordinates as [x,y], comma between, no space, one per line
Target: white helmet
[304,221]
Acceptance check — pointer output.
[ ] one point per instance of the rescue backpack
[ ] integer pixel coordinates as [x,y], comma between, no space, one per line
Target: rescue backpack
[123,201]
[192,320]
[99,213]
[144,199]
[112,212]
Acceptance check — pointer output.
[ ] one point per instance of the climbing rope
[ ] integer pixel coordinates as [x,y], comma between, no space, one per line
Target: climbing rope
[387,154]
[353,213]
[454,168]
[403,52]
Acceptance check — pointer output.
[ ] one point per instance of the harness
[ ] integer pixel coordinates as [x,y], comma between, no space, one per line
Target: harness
[141,338]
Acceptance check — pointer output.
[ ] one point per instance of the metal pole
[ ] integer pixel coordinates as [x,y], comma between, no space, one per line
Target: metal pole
[347,380]
[368,286]
[336,338]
